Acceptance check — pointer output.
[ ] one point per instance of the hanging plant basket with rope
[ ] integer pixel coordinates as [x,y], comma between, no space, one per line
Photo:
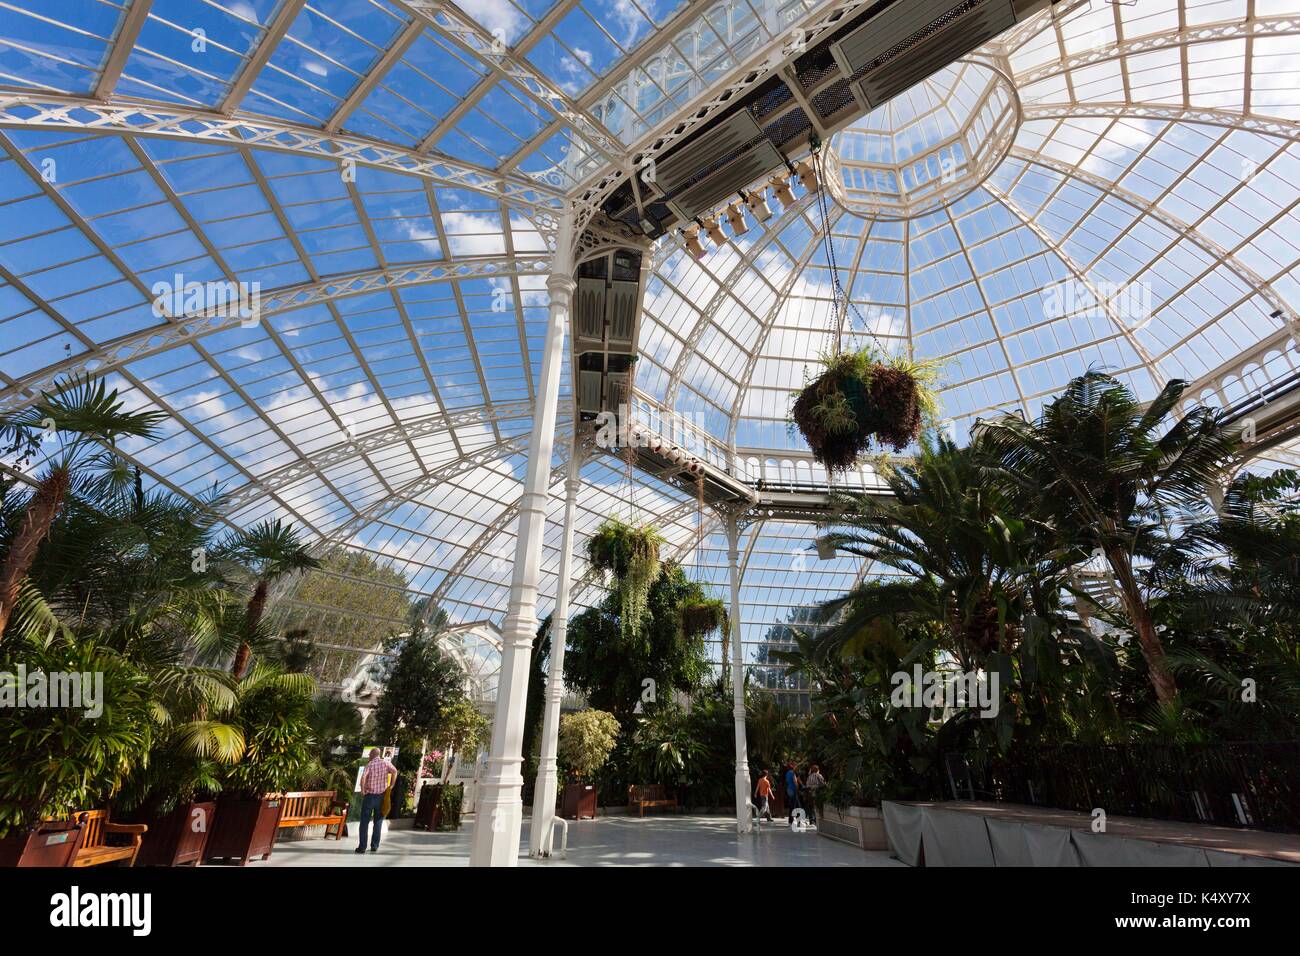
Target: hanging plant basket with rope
[703,617]
[631,555]
[861,398]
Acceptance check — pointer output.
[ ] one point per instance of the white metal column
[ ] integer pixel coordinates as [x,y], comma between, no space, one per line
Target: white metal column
[540,833]
[499,810]
[744,822]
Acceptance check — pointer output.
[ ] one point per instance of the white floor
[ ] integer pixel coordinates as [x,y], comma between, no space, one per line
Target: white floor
[607,841]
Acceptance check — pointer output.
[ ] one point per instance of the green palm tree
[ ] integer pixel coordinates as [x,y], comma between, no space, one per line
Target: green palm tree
[86,420]
[1106,471]
[955,550]
[266,552]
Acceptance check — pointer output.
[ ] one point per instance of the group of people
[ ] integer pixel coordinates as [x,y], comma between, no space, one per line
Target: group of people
[800,792]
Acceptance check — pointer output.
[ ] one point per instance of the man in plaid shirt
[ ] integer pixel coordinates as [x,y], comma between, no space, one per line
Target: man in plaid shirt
[374,781]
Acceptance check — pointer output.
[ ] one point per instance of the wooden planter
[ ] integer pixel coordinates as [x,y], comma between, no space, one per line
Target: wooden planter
[54,843]
[177,838]
[578,801]
[243,829]
[428,813]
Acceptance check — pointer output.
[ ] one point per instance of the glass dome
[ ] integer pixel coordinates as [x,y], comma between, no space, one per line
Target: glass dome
[1111,185]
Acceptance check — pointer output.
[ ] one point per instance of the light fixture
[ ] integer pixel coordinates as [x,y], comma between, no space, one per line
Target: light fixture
[714,230]
[807,174]
[693,244]
[758,206]
[781,190]
[736,218]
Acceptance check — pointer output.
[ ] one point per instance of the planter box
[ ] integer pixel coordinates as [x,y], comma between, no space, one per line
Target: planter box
[864,827]
[177,838]
[244,829]
[50,844]
[578,801]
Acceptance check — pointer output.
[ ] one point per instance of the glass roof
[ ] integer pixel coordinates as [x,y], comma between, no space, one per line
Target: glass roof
[1114,186]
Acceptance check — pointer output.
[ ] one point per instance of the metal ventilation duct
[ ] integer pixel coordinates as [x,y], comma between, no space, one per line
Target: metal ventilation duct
[750,165]
[705,151]
[908,42]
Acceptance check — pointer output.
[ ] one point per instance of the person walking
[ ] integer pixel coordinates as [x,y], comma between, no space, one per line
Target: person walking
[791,792]
[764,794]
[374,784]
[814,783]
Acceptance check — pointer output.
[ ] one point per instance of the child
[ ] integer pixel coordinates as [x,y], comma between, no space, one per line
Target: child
[764,797]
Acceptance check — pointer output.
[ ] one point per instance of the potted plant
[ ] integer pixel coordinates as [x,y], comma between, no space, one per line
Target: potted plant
[586,740]
[631,555]
[61,760]
[272,712]
[859,398]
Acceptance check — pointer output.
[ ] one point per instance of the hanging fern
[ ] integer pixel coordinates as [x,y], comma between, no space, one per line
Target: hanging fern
[703,617]
[631,555]
[861,397]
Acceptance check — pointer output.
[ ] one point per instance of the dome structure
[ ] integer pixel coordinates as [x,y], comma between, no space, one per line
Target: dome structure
[1104,185]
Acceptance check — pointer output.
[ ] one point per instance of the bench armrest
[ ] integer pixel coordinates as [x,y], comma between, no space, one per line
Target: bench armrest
[136,828]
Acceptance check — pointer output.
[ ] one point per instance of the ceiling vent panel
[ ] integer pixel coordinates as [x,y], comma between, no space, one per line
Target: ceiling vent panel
[623,300]
[911,41]
[589,385]
[701,198]
[589,309]
[616,390]
[706,151]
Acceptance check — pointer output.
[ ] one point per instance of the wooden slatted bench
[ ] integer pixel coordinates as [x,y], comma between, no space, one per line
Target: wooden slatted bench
[314,808]
[95,850]
[649,795]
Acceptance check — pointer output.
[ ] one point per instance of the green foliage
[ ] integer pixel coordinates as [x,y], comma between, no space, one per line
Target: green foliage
[587,739]
[450,801]
[631,555]
[700,618]
[609,666]
[418,682]
[860,398]
[273,712]
[61,759]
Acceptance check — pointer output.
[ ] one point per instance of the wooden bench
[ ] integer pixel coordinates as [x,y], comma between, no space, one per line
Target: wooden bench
[649,795]
[314,808]
[95,850]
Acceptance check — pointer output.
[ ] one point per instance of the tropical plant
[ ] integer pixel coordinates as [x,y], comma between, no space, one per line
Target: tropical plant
[587,738]
[614,670]
[266,552]
[1113,476]
[84,418]
[631,556]
[700,618]
[272,710]
[59,759]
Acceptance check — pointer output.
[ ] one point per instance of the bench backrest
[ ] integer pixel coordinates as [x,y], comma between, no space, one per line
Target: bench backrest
[637,792]
[93,827]
[307,803]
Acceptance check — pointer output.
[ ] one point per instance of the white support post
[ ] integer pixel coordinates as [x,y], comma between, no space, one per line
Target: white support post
[499,811]
[542,832]
[744,822]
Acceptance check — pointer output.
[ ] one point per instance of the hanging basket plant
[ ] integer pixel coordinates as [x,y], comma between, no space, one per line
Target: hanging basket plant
[631,555]
[860,398]
[703,617]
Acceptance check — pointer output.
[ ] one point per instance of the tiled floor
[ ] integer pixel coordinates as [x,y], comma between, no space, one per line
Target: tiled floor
[608,841]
